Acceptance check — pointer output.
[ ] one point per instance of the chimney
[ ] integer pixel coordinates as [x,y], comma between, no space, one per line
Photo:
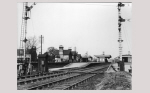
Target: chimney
[69,48]
[74,48]
[61,51]
[103,53]
[61,47]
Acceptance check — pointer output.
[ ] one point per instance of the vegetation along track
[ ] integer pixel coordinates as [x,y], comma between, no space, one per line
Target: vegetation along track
[84,73]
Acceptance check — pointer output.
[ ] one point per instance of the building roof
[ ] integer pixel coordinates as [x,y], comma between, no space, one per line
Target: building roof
[84,56]
[126,55]
[79,55]
[61,46]
[108,56]
[56,52]
[74,52]
[66,52]
[90,57]
[42,55]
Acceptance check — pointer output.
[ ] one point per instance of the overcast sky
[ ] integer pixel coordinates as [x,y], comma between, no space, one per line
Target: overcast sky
[90,27]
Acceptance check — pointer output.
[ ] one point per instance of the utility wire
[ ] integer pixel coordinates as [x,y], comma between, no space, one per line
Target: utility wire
[124,30]
[127,35]
[32,23]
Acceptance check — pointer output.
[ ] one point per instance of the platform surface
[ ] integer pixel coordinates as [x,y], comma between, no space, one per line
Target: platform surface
[71,65]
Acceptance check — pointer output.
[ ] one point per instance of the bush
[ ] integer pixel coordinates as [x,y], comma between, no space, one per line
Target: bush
[115,81]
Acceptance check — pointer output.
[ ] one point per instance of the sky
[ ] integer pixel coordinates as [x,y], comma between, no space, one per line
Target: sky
[90,27]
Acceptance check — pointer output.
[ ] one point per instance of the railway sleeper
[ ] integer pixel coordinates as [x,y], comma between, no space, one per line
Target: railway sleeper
[48,77]
[29,76]
[77,83]
[44,78]
[72,86]
[28,81]
[55,82]
[58,81]
[21,83]
[54,73]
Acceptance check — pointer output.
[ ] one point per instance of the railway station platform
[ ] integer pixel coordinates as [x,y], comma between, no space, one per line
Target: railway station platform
[71,65]
[78,65]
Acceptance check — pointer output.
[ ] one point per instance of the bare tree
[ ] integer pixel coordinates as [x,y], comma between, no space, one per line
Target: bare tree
[33,42]
[51,53]
[51,50]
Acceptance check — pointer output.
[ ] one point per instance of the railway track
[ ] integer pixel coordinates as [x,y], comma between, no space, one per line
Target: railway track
[46,81]
[37,75]
[75,82]
[70,84]
[49,73]
[44,74]
[32,80]
[54,74]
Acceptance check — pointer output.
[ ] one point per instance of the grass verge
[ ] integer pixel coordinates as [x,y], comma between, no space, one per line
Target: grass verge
[115,81]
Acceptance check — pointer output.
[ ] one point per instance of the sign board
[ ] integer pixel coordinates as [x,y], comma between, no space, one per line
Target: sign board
[20,52]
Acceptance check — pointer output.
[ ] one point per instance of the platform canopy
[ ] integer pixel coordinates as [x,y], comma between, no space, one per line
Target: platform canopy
[103,56]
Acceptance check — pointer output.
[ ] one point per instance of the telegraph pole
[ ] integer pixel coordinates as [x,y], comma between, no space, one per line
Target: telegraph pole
[41,38]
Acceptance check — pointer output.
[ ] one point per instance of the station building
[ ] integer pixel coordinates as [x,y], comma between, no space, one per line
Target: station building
[63,55]
[102,58]
[127,58]
[127,61]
